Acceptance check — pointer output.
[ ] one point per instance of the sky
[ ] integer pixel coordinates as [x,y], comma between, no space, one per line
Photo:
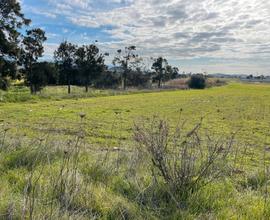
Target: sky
[212,36]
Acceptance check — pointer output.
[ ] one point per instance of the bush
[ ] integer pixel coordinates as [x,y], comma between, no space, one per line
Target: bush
[182,161]
[197,81]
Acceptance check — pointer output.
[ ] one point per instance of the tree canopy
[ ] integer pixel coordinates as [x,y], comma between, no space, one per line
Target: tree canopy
[11,20]
[160,67]
[65,60]
[90,62]
[32,49]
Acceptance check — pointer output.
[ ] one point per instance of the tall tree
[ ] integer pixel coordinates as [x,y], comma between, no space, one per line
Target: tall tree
[126,58]
[65,60]
[11,20]
[31,51]
[90,63]
[160,66]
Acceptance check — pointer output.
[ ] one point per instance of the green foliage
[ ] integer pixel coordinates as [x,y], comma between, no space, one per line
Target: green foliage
[160,66]
[197,81]
[11,20]
[163,71]
[90,63]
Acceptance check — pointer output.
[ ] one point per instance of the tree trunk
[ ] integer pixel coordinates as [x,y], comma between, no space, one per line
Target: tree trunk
[32,89]
[69,89]
[68,78]
[87,84]
[124,83]
[159,83]
[125,75]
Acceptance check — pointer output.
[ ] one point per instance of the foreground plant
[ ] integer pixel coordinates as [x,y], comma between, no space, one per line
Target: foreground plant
[184,161]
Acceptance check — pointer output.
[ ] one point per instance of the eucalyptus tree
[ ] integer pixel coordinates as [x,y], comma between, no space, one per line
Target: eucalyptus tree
[90,63]
[160,66]
[65,60]
[126,59]
[32,50]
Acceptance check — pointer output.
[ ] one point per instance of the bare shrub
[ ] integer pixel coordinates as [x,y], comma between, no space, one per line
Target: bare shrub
[185,161]
[212,82]
[178,83]
[67,184]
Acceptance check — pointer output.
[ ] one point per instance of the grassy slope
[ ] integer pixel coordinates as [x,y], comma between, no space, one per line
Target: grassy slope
[109,122]
[225,109]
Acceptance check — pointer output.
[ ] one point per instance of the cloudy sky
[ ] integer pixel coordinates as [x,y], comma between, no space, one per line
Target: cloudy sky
[224,36]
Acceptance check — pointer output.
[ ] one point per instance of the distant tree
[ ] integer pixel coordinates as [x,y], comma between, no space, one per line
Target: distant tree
[175,73]
[126,58]
[197,81]
[45,73]
[32,50]
[90,63]
[250,77]
[65,60]
[51,72]
[38,77]
[138,78]
[11,19]
[160,66]
[107,79]
[171,72]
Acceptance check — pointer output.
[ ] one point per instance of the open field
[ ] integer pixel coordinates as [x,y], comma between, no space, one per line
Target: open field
[225,109]
[115,185]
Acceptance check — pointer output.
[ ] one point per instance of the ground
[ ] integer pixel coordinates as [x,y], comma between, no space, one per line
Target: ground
[109,121]
[243,107]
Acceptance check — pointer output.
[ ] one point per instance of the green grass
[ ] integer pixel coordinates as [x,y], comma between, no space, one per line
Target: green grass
[20,93]
[225,109]
[113,190]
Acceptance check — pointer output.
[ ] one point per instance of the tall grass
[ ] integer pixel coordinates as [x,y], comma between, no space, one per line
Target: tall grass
[170,173]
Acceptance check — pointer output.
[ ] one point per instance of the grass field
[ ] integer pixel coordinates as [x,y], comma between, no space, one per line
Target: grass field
[113,189]
[225,109]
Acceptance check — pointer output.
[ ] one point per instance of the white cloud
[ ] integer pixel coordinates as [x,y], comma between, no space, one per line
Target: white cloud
[179,29]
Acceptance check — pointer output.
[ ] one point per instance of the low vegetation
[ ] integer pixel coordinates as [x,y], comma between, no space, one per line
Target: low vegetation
[96,158]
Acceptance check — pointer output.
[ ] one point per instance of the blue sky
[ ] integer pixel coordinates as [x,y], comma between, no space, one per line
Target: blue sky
[225,36]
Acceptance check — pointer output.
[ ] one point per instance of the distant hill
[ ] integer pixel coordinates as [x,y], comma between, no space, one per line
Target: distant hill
[226,75]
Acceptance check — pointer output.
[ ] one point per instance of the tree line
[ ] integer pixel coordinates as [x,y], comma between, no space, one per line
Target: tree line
[82,65]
